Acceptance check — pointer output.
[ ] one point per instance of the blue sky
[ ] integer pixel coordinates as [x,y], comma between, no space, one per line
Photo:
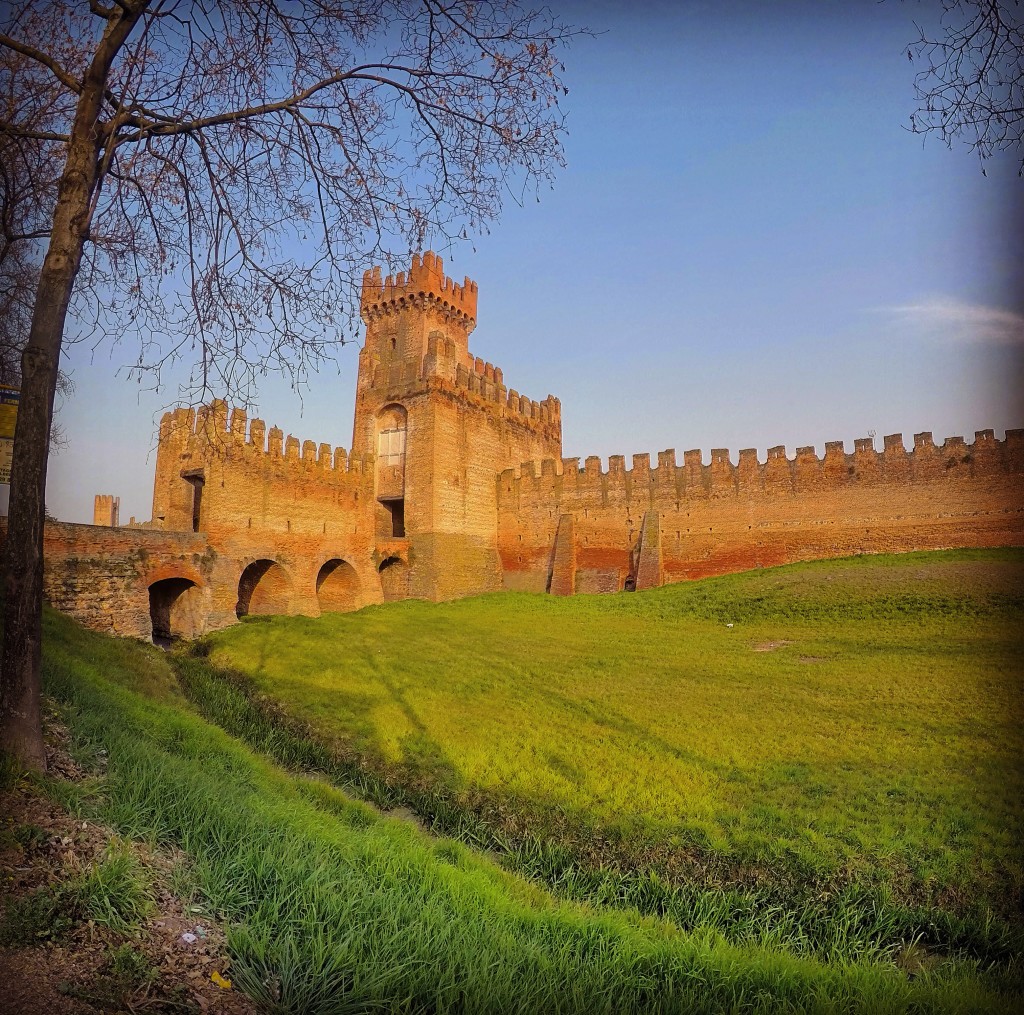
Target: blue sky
[746,249]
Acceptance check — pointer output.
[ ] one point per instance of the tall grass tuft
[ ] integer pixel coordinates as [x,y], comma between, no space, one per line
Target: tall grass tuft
[117,892]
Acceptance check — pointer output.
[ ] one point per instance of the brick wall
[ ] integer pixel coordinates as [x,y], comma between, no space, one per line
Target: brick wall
[260,496]
[102,575]
[719,517]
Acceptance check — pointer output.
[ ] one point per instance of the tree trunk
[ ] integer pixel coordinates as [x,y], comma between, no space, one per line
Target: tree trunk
[20,717]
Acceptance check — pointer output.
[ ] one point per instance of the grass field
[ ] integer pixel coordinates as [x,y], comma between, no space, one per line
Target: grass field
[844,722]
[847,751]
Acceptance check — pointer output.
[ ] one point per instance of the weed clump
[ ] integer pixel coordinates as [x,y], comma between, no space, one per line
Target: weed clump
[115,892]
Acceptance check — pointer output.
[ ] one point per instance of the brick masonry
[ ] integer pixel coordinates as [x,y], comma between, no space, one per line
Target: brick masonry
[455,485]
[718,517]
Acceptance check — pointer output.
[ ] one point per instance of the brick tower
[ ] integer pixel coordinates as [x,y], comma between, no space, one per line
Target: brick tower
[441,426]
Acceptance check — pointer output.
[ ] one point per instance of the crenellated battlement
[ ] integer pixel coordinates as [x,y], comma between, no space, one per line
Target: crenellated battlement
[431,503]
[425,281]
[442,368]
[778,474]
[215,433]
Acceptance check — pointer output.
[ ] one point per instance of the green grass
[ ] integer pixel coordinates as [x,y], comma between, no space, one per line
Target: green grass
[859,724]
[118,891]
[114,892]
[332,908]
[807,917]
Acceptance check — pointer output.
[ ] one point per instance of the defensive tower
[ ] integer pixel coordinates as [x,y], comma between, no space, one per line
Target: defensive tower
[441,426]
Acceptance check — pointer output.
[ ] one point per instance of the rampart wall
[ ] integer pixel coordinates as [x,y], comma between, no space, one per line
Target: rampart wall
[719,517]
[273,483]
[260,495]
[102,575]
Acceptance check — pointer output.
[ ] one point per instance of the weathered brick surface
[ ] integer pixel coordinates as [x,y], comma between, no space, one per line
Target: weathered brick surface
[455,485]
[102,575]
[563,558]
[649,563]
[721,517]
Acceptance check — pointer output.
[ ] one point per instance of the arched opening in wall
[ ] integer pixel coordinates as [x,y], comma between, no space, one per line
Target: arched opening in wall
[392,422]
[394,579]
[175,610]
[264,588]
[337,587]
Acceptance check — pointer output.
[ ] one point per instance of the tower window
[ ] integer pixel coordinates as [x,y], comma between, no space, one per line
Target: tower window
[396,509]
[391,447]
[196,480]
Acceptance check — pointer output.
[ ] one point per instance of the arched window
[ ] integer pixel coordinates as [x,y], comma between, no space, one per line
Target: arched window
[391,426]
[391,429]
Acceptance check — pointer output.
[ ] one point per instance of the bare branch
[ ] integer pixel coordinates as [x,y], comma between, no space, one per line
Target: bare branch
[13,130]
[971,87]
[66,79]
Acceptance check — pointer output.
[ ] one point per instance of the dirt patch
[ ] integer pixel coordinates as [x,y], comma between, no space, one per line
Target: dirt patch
[770,646]
[407,814]
[65,963]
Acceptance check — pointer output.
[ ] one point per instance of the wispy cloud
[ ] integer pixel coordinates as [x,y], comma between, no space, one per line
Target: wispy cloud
[948,319]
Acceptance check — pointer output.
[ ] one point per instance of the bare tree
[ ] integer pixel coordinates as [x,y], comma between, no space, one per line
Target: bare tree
[214,175]
[22,217]
[21,234]
[971,88]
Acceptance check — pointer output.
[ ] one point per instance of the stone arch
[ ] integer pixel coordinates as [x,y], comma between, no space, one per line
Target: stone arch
[392,416]
[337,587]
[394,579]
[264,588]
[176,609]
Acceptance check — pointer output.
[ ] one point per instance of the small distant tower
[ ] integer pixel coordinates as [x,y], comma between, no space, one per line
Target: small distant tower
[105,509]
[441,426]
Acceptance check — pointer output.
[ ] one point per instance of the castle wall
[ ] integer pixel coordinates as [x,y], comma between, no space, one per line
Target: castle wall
[722,517]
[101,575]
[455,486]
[262,496]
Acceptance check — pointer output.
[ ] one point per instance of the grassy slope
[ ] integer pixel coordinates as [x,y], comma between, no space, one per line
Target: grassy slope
[334,909]
[876,742]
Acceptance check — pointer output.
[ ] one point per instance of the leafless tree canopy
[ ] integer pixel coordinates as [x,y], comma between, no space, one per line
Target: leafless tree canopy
[971,87]
[28,171]
[23,223]
[213,176]
[257,155]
